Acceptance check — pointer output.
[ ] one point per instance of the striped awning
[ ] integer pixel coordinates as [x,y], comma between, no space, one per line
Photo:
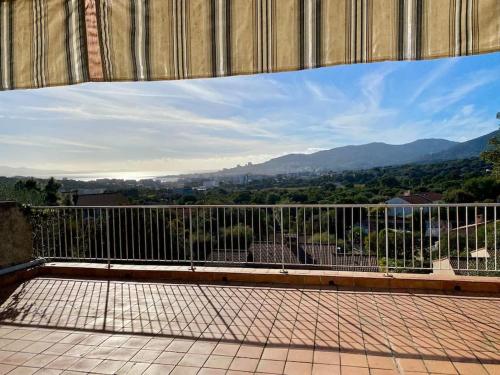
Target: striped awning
[60,42]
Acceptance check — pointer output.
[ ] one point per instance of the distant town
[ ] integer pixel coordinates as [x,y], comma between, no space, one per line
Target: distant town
[444,170]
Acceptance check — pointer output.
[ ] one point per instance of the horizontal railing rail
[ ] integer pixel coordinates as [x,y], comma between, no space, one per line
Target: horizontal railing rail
[458,238]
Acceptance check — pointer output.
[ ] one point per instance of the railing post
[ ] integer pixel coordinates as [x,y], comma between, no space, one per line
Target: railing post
[107,238]
[192,268]
[283,270]
[386,243]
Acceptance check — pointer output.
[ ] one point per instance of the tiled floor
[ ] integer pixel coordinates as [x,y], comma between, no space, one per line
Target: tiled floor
[54,326]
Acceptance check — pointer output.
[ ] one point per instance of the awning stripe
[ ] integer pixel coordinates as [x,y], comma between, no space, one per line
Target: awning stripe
[59,42]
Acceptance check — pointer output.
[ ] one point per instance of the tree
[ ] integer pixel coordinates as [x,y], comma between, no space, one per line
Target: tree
[30,184]
[51,192]
[492,154]
[458,196]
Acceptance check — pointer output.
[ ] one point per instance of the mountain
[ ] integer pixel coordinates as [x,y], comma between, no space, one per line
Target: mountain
[366,156]
[463,150]
[25,172]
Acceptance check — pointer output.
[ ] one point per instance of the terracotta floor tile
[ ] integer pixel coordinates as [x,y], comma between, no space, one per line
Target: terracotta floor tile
[381,362]
[79,350]
[218,361]
[179,345]
[211,371]
[40,360]
[277,354]
[185,370]
[324,356]
[62,362]
[226,349]
[352,370]
[247,328]
[17,345]
[470,368]
[352,359]
[94,340]
[23,371]
[298,368]
[244,364]
[411,364]
[85,364]
[136,342]
[18,359]
[73,338]
[300,355]
[133,368]
[58,349]
[492,369]
[378,371]
[122,354]
[108,366]
[250,351]
[17,333]
[115,341]
[37,347]
[193,360]
[4,354]
[100,352]
[203,347]
[158,344]
[4,369]
[271,367]
[324,369]
[55,336]
[158,370]
[441,367]
[48,371]
[169,358]
[145,355]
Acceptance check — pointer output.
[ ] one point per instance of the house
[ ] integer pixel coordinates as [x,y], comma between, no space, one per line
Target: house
[104,199]
[478,261]
[417,199]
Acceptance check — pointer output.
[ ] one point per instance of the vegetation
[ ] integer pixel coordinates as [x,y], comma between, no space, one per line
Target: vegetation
[492,155]
[30,191]
[465,181]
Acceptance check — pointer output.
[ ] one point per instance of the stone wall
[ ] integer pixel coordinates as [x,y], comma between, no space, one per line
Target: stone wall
[15,235]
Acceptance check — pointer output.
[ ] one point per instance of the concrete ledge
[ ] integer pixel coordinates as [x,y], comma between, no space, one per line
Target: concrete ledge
[20,276]
[273,276]
[15,236]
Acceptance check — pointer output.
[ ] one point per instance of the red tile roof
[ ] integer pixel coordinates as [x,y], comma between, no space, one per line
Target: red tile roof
[422,198]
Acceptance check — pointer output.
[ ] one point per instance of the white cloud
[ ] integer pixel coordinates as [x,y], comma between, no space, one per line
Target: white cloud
[455,94]
[48,142]
[435,75]
[211,124]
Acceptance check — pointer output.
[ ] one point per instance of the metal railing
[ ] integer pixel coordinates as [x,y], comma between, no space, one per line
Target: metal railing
[461,238]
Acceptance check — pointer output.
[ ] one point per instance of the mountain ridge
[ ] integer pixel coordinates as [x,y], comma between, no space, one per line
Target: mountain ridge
[370,155]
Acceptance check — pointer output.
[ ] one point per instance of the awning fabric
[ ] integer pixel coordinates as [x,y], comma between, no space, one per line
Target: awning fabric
[61,42]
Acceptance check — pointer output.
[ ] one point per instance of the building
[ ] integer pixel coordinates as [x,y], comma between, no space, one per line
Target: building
[476,263]
[104,199]
[417,198]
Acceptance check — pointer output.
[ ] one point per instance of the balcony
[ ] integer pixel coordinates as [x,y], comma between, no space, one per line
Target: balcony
[349,289]
[459,239]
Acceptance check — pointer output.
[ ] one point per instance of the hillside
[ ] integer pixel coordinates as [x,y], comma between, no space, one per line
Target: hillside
[366,156]
[463,150]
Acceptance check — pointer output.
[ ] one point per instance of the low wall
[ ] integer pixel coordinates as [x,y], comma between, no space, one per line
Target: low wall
[15,235]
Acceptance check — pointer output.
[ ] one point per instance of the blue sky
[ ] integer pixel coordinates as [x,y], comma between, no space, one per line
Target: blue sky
[199,125]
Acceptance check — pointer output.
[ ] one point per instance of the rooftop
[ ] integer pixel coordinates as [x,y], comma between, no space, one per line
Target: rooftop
[53,325]
[130,290]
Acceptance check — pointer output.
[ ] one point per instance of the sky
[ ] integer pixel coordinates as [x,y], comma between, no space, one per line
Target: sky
[147,129]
